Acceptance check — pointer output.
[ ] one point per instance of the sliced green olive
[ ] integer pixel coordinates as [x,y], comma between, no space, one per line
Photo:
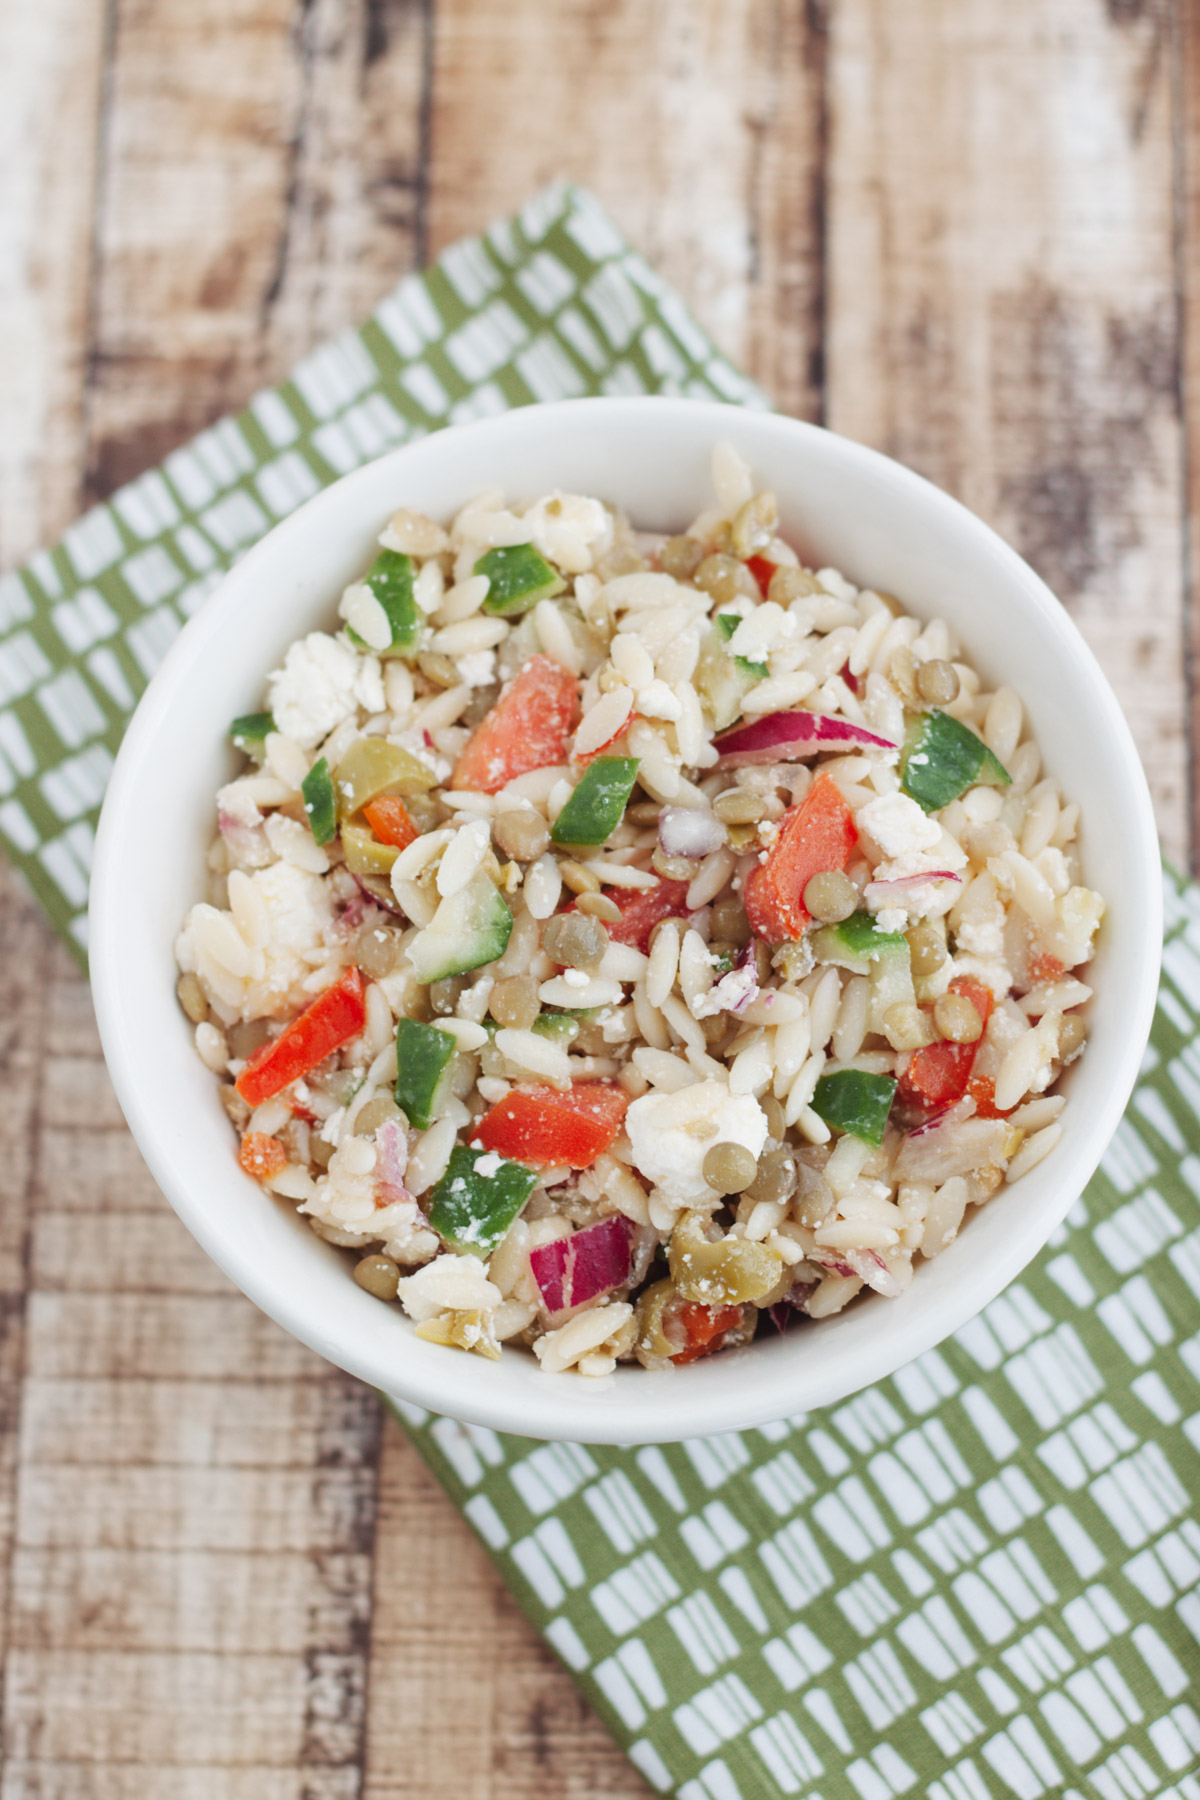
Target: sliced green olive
[729,1271]
[365,855]
[372,766]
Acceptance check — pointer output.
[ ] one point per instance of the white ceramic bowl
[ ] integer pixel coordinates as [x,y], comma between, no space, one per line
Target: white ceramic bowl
[841,504]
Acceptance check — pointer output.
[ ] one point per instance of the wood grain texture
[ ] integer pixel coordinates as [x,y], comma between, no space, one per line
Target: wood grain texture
[945,227]
[260,190]
[698,123]
[52,71]
[1002,304]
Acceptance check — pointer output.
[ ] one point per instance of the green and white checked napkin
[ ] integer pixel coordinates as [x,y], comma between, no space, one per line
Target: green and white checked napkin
[980,1578]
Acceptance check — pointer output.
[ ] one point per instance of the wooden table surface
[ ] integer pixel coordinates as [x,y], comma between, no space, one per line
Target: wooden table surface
[961,230]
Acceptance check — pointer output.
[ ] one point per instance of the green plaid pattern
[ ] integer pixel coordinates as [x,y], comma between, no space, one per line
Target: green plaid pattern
[980,1578]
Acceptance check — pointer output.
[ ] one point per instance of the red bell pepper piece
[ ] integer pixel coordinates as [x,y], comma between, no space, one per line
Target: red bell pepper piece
[389,819]
[644,908]
[982,1090]
[528,728]
[545,1126]
[762,571]
[938,1075]
[705,1329]
[814,836]
[331,1020]
[261,1156]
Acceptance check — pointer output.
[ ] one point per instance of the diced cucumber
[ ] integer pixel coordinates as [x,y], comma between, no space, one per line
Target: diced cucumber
[891,985]
[364,853]
[942,758]
[249,734]
[518,577]
[853,1101]
[727,624]
[475,1202]
[320,801]
[857,943]
[468,929]
[598,803]
[390,579]
[424,1056]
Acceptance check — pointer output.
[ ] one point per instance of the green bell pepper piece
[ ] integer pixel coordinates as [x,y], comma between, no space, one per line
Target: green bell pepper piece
[471,1209]
[942,758]
[320,801]
[390,578]
[598,804]
[853,1101]
[423,1055]
[518,577]
[727,624]
[249,733]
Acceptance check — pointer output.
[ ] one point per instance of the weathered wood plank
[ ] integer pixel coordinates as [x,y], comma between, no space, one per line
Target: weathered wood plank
[1186,58]
[51,1780]
[260,193]
[139,1599]
[156,1421]
[51,74]
[65,1704]
[449,1645]
[27,956]
[635,101]
[1002,306]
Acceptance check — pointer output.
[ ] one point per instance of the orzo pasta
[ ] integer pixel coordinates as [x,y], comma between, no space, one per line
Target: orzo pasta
[621,944]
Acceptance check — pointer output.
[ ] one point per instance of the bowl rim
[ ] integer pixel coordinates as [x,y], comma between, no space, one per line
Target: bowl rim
[550,1407]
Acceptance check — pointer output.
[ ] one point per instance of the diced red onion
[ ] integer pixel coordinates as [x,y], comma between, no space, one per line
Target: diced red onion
[690,831]
[906,881]
[870,1267]
[574,1270]
[833,1264]
[391,1165]
[950,1147]
[792,736]
[794,1303]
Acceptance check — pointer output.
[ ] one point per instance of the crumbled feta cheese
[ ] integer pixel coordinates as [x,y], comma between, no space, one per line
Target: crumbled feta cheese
[767,628]
[891,918]
[734,990]
[299,940]
[896,825]
[321,683]
[915,900]
[981,933]
[570,530]
[448,1284]
[671,1134]
[477,668]
[489,1165]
